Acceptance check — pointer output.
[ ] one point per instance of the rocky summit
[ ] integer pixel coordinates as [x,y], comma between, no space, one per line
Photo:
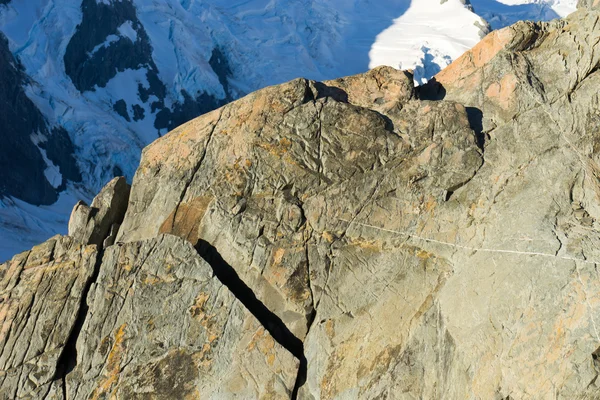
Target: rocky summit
[351,239]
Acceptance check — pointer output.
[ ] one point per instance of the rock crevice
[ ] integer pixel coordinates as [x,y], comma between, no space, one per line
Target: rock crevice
[228,276]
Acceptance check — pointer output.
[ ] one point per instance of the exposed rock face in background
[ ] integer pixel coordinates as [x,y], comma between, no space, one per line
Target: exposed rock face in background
[356,238]
[111,39]
[83,94]
[35,160]
[90,59]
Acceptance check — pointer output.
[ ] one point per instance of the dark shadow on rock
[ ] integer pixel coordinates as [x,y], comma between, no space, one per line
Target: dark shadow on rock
[596,359]
[475,116]
[435,91]
[341,95]
[432,90]
[389,124]
[330,91]
[67,361]
[272,323]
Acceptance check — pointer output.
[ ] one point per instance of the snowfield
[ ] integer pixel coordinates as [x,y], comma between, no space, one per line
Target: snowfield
[264,42]
[414,42]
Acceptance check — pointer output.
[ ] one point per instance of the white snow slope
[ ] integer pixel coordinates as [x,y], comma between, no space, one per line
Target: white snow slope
[265,42]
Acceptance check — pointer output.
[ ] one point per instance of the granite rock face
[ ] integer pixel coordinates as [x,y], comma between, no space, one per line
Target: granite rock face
[253,178]
[40,298]
[162,327]
[29,144]
[587,3]
[358,239]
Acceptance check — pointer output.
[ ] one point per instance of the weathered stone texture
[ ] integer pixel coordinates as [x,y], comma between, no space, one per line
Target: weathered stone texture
[160,326]
[100,221]
[40,296]
[326,197]
[239,178]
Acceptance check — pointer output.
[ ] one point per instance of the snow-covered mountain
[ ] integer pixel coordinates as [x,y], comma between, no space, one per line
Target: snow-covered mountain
[89,83]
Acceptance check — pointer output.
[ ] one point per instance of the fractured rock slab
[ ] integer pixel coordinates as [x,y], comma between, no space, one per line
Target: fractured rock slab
[41,294]
[161,326]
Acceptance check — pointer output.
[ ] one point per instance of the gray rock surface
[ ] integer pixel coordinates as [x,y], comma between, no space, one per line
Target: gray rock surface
[438,248]
[587,3]
[241,178]
[160,326]
[40,297]
[362,239]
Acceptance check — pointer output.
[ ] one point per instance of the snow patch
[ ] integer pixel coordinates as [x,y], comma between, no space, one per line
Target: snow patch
[432,62]
[126,30]
[52,172]
[414,42]
[109,39]
[23,226]
[501,13]
[124,86]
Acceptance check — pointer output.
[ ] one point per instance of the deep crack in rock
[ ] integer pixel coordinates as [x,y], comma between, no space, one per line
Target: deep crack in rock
[227,275]
[68,357]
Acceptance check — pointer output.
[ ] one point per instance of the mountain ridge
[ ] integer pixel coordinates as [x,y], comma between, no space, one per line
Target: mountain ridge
[436,242]
[114,87]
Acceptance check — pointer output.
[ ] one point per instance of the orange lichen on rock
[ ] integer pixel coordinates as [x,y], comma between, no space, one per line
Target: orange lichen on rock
[477,57]
[265,343]
[197,309]
[177,146]
[502,92]
[113,365]
[185,219]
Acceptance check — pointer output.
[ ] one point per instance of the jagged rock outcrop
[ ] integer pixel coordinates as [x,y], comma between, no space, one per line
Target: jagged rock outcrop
[98,224]
[360,239]
[30,147]
[240,177]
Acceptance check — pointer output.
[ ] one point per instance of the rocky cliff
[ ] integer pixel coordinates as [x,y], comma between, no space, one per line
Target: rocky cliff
[350,239]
